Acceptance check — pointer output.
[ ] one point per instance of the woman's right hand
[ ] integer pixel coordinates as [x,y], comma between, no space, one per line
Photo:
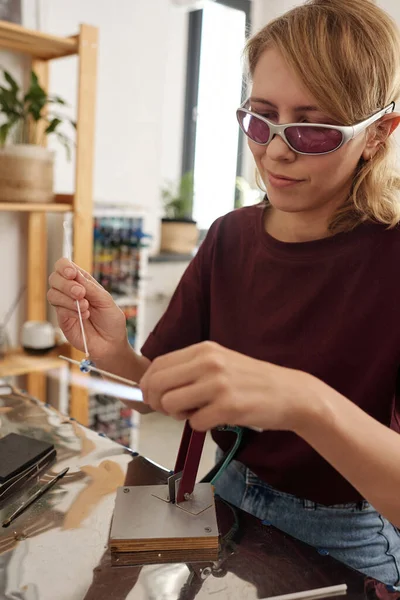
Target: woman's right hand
[104,322]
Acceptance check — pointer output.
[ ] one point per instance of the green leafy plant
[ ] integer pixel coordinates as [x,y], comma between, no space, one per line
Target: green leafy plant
[178,201]
[24,114]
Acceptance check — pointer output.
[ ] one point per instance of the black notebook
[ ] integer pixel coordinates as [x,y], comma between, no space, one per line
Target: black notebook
[18,452]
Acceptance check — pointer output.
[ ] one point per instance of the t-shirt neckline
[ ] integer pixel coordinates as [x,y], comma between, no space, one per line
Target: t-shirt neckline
[315,249]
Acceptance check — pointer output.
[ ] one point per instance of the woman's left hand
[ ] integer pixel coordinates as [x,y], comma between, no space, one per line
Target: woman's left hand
[211,386]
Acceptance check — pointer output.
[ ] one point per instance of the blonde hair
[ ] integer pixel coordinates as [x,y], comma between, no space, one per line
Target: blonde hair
[347,52]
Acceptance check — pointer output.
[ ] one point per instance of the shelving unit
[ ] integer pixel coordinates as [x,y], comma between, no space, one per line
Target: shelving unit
[17,362]
[42,48]
[120,260]
[19,207]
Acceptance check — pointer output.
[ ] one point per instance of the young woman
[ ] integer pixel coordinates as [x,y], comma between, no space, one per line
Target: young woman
[287,318]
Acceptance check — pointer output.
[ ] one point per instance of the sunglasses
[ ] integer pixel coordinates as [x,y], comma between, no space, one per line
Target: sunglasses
[303,138]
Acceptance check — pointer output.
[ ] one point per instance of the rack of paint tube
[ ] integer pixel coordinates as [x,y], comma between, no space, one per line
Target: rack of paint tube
[120,246]
[119,242]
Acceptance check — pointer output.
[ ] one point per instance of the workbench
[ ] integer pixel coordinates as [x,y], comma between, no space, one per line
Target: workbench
[58,548]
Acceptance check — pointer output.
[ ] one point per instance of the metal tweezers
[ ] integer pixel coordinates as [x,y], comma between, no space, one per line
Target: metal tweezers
[181,483]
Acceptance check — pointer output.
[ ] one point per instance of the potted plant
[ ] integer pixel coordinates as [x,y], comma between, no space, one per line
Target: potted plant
[26,167]
[179,233]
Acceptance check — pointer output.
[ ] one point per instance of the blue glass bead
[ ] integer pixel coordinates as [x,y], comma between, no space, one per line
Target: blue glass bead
[85,365]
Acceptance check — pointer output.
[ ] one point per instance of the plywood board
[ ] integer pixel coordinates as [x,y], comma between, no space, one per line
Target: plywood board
[146,526]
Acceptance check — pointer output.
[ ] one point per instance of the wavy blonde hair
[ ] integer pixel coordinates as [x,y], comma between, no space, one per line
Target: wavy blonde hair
[347,53]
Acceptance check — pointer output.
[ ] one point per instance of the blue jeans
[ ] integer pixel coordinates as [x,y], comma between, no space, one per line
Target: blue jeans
[353,534]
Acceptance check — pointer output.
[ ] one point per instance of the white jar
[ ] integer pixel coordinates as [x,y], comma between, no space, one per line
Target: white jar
[38,337]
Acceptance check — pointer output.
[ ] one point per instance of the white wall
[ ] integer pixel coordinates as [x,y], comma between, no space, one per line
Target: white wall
[266,10]
[139,117]
[141,76]
[13,225]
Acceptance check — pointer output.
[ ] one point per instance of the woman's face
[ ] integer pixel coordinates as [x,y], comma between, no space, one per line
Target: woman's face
[322,182]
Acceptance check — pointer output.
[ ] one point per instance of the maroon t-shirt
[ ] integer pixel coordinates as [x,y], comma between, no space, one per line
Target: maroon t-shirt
[329,307]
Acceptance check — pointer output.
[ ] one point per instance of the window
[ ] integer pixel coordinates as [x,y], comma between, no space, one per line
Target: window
[212,140]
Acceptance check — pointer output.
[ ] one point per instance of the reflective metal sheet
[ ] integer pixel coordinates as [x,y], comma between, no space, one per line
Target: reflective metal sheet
[58,549]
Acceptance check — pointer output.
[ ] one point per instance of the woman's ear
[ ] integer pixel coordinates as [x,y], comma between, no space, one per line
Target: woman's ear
[389,124]
[379,133]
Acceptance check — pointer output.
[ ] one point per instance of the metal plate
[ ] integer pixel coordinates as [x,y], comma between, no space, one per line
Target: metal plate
[162,494]
[201,499]
[172,481]
[139,514]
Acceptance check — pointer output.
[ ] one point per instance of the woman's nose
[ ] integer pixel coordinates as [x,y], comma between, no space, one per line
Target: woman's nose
[278,149]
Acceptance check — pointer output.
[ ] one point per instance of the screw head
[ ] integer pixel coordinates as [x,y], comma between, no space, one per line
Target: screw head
[126,490]
[207,529]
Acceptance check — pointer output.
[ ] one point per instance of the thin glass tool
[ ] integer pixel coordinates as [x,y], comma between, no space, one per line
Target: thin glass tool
[69,256]
[91,367]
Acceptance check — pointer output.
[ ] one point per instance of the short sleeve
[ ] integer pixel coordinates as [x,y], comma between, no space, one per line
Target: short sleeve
[187,318]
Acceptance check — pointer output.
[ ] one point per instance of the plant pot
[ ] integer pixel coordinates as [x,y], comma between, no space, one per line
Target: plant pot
[179,236]
[26,174]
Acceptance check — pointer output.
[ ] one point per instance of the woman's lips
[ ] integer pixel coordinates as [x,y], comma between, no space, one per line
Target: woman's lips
[281,181]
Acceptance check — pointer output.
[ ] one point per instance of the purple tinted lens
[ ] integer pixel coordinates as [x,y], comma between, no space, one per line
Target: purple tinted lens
[314,140]
[254,128]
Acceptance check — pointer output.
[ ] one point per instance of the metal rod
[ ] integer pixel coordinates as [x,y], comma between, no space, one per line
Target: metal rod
[35,496]
[102,372]
[121,379]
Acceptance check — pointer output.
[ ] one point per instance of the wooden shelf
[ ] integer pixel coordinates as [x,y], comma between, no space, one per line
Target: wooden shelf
[41,48]
[35,43]
[18,362]
[33,207]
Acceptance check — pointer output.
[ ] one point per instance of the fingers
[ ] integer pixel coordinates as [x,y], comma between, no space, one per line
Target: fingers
[70,270]
[84,277]
[207,352]
[63,314]
[77,284]
[64,263]
[188,398]
[156,382]
[206,418]
[60,300]
[69,288]
[179,369]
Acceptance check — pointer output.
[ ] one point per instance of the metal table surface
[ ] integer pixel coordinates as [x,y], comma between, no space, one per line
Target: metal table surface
[57,549]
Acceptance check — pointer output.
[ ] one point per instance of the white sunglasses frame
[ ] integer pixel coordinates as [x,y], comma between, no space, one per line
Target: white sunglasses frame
[349,132]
